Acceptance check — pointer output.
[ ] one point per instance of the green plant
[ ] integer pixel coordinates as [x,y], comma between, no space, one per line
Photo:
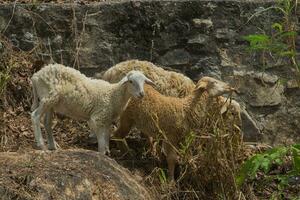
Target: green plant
[162,176]
[265,161]
[282,41]
[186,144]
[274,44]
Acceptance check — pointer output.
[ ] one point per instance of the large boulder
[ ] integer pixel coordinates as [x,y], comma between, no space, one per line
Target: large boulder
[67,174]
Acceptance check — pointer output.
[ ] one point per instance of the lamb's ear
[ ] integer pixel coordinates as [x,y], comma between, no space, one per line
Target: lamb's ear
[201,85]
[148,81]
[124,80]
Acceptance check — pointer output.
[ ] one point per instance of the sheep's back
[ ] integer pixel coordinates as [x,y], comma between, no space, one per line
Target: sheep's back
[157,113]
[75,91]
[168,83]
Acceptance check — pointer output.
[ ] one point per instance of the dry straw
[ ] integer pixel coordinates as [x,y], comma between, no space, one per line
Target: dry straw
[209,160]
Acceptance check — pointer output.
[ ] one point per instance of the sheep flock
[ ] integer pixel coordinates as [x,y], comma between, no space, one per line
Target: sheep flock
[136,93]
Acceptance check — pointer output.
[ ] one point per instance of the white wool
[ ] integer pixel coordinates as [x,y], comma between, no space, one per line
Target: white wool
[57,88]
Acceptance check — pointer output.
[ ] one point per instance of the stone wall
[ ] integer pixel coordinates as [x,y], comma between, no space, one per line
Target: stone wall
[195,37]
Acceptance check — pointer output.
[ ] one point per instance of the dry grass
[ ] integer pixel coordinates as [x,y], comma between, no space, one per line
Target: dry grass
[208,163]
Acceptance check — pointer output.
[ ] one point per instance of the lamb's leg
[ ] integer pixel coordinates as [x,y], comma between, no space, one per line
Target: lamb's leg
[107,134]
[171,157]
[103,140]
[36,119]
[48,123]
[35,98]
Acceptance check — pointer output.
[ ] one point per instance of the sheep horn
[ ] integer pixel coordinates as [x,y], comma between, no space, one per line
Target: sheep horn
[202,85]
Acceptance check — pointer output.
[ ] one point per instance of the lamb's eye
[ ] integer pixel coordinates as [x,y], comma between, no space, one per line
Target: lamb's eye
[130,81]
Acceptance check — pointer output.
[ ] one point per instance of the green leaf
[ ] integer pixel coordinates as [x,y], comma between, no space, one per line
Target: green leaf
[265,165]
[283,181]
[277,27]
[249,169]
[288,34]
[296,159]
[290,53]
[162,176]
[256,38]
[296,146]
[278,161]
[184,146]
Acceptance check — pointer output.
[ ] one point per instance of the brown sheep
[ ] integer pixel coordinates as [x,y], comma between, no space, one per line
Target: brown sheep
[173,117]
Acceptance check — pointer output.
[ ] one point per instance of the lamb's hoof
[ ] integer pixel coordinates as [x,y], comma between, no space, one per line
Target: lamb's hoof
[41,147]
[92,139]
[104,152]
[52,148]
[171,184]
[107,152]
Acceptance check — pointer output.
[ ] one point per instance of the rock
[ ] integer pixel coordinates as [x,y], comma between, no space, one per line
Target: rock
[175,57]
[262,77]
[292,84]
[166,41]
[201,43]
[267,96]
[226,60]
[200,39]
[277,126]
[249,128]
[202,23]
[266,78]
[29,36]
[206,66]
[256,89]
[58,40]
[67,174]
[225,34]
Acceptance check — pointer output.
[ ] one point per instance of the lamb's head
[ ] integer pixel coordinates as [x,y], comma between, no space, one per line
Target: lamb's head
[135,81]
[213,86]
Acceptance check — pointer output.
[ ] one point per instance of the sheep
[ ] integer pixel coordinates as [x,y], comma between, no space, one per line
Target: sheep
[174,117]
[61,89]
[174,84]
[168,83]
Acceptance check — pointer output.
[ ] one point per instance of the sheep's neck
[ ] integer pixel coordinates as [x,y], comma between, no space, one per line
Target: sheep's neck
[196,109]
[120,97]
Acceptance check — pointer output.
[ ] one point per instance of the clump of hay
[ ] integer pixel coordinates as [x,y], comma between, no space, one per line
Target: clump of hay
[209,160]
[16,67]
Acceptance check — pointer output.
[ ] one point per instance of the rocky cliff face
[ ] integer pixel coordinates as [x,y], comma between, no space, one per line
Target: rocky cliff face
[196,37]
[68,174]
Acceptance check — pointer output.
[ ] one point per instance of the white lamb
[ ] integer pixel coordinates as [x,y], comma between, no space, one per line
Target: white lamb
[57,88]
